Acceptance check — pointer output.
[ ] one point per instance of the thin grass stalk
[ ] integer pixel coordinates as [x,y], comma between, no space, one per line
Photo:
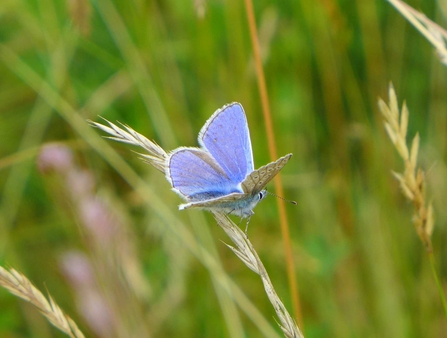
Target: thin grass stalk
[273,156]
[20,286]
[245,251]
[438,283]
[412,179]
[434,33]
[437,36]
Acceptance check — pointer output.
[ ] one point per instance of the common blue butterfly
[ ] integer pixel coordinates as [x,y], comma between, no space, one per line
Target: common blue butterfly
[220,176]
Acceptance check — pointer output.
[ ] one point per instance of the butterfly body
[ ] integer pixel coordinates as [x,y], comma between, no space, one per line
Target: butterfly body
[220,176]
[238,204]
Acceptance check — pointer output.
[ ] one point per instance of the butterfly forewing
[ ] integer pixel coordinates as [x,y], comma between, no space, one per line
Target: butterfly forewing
[226,136]
[258,179]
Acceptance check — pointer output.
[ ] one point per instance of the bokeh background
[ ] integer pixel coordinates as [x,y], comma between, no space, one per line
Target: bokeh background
[115,253]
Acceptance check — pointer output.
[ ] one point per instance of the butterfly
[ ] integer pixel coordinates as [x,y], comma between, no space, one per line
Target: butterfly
[219,176]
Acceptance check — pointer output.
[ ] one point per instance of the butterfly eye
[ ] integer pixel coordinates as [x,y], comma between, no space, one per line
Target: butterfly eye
[262,194]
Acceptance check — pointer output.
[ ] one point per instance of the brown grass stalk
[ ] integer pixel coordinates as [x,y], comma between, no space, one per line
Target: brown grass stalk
[19,285]
[293,285]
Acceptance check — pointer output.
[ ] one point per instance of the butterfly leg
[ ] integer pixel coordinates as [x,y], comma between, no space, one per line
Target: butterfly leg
[230,212]
[246,225]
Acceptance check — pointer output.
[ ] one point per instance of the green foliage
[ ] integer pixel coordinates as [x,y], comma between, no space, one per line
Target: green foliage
[163,67]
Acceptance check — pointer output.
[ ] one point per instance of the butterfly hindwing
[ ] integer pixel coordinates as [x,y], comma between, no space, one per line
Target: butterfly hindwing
[226,136]
[195,175]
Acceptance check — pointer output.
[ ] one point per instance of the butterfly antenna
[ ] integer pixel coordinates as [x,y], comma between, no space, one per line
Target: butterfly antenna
[281,198]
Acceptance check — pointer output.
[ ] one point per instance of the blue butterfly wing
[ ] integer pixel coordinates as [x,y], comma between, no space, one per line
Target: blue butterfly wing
[227,138]
[195,175]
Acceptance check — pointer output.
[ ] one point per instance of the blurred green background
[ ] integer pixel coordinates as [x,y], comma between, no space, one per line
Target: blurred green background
[120,262]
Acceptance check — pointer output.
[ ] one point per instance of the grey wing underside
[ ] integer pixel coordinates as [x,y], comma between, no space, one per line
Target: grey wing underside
[258,179]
